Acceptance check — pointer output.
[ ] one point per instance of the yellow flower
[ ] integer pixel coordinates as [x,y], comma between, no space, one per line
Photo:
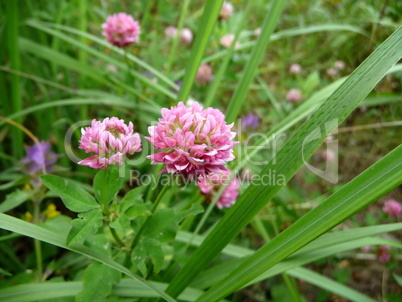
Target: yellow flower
[28,217]
[51,211]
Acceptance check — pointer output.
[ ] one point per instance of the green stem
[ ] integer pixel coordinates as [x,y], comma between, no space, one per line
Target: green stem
[154,207]
[37,244]
[172,53]
[12,8]
[116,237]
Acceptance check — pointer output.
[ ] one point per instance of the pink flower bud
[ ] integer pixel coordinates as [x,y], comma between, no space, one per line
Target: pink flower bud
[392,208]
[204,74]
[294,95]
[121,30]
[226,10]
[211,183]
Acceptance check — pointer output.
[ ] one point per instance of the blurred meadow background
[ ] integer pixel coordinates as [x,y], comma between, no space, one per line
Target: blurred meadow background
[57,69]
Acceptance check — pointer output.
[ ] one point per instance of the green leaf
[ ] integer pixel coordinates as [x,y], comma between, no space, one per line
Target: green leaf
[28,229]
[257,54]
[311,83]
[13,200]
[398,279]
[148,248]
[87,224]
[107,184]
[131,198]
[207,23]
[299,148]
[163,225]
[97,282]
[74,197]
[4,272]
[138,210]
[122,222]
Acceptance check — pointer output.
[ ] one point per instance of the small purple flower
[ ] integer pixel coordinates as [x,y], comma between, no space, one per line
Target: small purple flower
[204,74]
[121,30]
[39,158]
[332,72]
[251,120]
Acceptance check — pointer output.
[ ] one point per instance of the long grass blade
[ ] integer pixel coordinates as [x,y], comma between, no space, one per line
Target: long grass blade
[208,20]
[299,148]
[376,181]
[28,229]
[256,56]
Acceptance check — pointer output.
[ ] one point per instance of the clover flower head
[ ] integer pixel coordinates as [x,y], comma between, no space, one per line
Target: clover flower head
[392,208]
[332,72]
[226,10]
[227,40]
[193,141]
[39,157]
[257,31]
[339,65]
[204,74]
[295,69]
[110,140]
[170,32]
[121,30]
[383,253]
[294,95]
[186,36]
[211,183]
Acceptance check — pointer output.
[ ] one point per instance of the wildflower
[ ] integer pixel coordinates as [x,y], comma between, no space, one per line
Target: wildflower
[186,36]
[328,155]
[193,140]
[295,69]
[51,211]
[294,95]
[392,208]
[383,253]
[366,248]
[211,183]
[170,32]
[339,65]
[204,74]
[257,31]
[112,68]
[121,30]
[332,72]
[39,158]
[226,10]
[110,140]
[251,120]
[227,40]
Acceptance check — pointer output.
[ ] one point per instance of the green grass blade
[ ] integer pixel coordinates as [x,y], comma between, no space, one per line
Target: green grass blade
[95,52]
[334,110]
[78,102]
[222,68]
[14,57]
[256,56]
[176,39]
[328,284]
[126,288]
[46,27]
[376,181]
[28,229]
[208,19]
